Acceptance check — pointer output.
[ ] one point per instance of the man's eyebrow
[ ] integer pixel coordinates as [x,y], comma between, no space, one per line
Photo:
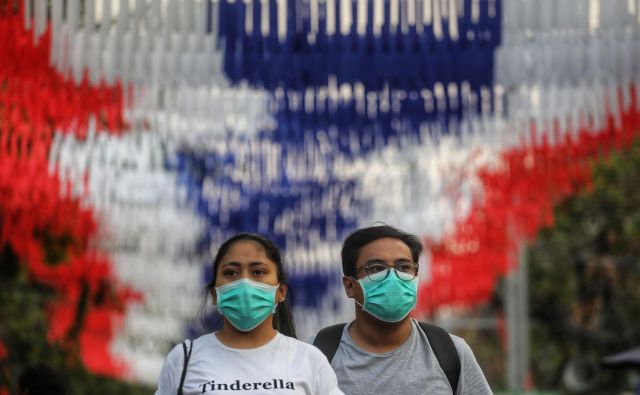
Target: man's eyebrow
[378,260]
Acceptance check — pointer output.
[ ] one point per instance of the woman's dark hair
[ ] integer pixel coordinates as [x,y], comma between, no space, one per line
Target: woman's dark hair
[283,319]
[361,237]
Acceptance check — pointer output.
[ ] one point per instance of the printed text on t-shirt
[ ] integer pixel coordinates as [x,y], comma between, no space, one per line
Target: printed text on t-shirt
[274,384]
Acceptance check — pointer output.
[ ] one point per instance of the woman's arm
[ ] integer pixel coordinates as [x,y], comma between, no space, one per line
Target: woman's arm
[169,377]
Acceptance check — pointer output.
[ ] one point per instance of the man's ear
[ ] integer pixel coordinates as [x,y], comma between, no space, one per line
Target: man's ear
[349,286]
[281,293]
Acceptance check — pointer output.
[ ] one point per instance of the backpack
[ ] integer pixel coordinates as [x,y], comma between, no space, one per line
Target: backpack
[328,341]
[186,362]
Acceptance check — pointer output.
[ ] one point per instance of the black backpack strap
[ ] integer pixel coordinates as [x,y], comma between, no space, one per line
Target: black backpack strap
[328,340]
[445,352]
[187,355]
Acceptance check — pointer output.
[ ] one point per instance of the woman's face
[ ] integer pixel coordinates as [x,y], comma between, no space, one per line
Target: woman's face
[248,259]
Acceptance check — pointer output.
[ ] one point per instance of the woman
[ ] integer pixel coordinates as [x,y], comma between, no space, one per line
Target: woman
[255,352]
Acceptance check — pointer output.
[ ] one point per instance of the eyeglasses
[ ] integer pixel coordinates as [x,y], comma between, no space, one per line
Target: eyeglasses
[378,271]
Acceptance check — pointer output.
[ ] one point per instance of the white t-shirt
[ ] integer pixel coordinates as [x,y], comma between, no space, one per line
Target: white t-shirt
[282,366]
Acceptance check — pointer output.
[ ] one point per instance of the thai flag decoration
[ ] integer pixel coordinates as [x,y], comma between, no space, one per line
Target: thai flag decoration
[148,131]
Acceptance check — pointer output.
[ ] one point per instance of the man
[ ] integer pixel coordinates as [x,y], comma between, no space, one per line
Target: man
[384,351]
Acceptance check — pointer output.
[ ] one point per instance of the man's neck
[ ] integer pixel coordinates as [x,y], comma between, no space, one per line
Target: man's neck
[377,336]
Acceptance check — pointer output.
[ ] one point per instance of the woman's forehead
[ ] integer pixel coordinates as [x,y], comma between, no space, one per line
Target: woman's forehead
[246,250]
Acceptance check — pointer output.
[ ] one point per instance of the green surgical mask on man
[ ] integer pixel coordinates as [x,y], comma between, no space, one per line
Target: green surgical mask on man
[389,296]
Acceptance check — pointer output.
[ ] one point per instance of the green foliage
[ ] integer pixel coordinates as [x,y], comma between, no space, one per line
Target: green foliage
[23,328]
[585,273]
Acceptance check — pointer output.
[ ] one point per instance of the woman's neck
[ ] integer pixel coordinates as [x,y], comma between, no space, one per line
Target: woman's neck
[259,336]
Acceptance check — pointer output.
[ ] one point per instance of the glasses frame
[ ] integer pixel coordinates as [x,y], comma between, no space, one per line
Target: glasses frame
[365,268]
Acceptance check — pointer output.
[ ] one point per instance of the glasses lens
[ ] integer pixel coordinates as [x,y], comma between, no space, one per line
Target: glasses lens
[373,268]
[406,276]
[379,275]
[406,270]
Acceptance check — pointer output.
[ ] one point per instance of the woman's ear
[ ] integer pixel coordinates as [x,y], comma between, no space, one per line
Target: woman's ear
[281,293]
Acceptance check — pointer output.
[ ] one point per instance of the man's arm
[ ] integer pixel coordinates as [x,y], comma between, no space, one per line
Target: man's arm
[472,380]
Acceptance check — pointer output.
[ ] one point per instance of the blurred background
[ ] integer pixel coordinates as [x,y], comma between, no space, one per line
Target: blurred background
[136,135]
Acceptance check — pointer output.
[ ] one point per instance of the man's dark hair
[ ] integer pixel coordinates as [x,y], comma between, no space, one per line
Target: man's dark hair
[361,237]
[41,379]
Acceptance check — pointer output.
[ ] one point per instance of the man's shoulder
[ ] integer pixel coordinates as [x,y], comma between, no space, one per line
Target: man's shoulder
[457,339]
[461,345]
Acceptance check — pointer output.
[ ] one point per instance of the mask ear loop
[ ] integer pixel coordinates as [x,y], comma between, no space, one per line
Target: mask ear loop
[364,294]
[275,304]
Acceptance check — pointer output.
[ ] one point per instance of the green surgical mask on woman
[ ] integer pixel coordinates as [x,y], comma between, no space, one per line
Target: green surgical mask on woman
[246,303]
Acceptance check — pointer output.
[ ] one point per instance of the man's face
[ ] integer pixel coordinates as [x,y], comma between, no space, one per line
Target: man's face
[386,250]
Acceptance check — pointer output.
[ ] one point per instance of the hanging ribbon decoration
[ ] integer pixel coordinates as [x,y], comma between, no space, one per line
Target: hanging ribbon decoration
[304,120]
[37,209]
[580,84]
[518,201]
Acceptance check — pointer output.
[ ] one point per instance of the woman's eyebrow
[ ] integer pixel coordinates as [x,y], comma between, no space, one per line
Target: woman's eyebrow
[232,263]
[238,264]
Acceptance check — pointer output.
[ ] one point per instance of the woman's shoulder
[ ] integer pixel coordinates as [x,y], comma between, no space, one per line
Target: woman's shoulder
[185,345]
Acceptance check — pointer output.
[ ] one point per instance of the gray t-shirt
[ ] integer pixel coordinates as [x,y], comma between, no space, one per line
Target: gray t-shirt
[410,369]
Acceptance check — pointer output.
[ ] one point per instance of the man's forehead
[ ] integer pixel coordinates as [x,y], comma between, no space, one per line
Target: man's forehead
[386,248]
